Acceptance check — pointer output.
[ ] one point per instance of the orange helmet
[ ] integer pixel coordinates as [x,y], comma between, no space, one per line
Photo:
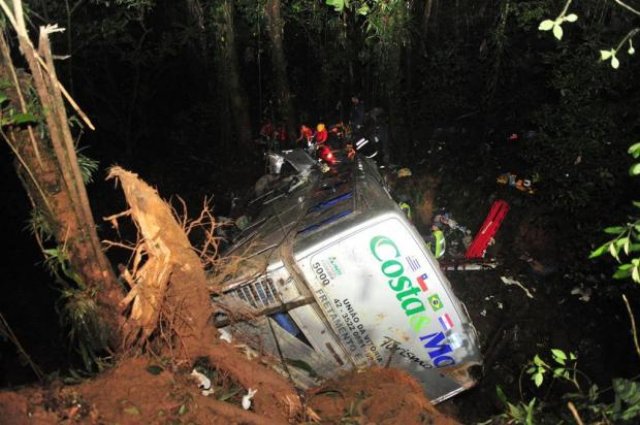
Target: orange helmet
[320,127]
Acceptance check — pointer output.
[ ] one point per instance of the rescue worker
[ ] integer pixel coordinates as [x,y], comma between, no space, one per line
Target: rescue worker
[337,135]
[437,243]
[378,129]
[406,209]
[306,137]
[280,134]
[321,134]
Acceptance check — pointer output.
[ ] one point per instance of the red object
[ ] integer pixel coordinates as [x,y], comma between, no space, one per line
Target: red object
[489,228]
[281,133]
[305,133]
[325,154]
[322,136]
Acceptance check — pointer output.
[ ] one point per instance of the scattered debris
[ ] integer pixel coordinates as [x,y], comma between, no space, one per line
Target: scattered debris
[204,383]
[510,281]
[520,183]
[248,351]
[585,294]
[246,399]
[225,335]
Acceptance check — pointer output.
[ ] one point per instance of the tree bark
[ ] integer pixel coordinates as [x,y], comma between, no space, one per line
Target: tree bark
[279,63]
[238,99]
[51,176]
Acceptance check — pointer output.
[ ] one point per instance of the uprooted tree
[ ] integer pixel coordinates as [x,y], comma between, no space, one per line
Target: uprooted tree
[168,306]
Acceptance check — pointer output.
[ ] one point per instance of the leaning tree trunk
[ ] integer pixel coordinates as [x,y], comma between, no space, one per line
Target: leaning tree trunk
[279,63]
[46,163]
[237,95]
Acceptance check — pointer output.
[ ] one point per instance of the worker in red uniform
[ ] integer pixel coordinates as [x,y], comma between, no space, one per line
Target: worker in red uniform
[280,135]
[321,134]
[306,135]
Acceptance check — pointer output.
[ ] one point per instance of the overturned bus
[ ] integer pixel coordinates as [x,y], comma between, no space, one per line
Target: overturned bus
[333,277]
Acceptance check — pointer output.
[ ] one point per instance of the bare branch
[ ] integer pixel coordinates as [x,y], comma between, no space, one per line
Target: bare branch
[629,8]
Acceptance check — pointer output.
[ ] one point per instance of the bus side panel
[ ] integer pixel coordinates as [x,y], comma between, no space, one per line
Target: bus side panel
[388,305]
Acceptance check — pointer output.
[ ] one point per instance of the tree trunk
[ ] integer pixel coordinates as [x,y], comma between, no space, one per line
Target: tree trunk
[279,64]
[237,95]
[51,176]
[426,17]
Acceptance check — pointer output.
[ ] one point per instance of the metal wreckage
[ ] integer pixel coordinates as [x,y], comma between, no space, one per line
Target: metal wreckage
[334,277]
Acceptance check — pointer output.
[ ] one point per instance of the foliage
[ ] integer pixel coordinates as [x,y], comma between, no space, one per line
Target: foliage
[591,406]
[626,243]
[88,167]
[611,54]
[10,117]
[565,369]
[521,413]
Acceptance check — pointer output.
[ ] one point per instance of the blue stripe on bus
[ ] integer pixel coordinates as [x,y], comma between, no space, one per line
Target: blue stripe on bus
[330,202]
[326,221]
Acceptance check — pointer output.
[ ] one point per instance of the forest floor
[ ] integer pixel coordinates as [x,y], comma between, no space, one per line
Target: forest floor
[140,391]
[551,308]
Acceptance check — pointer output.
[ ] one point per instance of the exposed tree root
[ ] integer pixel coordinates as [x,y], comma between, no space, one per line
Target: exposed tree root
[169,297]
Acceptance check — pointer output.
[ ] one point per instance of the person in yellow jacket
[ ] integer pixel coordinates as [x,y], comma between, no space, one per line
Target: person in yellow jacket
[437,243]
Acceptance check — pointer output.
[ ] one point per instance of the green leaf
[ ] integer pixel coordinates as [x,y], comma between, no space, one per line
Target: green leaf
[634,150]
[23,118]
[557,31]
[3,98]
[558,355]
[338,5]
[634,170]
[538,361]
[635,274]
[546,25]
[606,54]
[363,10]
[530,410]
[622,273]
[614,230]
[614,251]
[501,396]
[627,390]
[615,63]
[538,379]
[572,17]
[599,251]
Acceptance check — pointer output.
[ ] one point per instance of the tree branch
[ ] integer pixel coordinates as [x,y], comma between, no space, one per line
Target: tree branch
[629,8]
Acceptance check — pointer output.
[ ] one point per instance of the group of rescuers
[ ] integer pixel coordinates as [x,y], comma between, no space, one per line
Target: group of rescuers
[367,134]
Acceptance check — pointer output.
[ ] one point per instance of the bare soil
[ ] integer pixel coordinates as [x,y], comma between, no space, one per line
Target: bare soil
[141,391]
